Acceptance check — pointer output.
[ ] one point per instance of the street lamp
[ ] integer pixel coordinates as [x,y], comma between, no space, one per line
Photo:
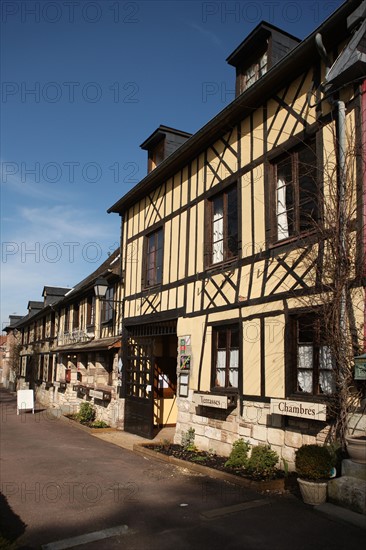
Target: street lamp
[100,287]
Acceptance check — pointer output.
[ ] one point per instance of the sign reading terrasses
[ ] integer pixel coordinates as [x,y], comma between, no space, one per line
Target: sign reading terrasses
[210,400]
[301,409]
[96,393]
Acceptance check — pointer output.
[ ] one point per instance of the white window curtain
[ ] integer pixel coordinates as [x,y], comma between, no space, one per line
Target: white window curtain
[220,368]
[218,236]
[326,374]
[282,222]
[305,368]
[263,64]
[250,76]
[234,368]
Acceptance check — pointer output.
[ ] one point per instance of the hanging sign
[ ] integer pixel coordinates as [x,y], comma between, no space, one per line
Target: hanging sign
[211,400]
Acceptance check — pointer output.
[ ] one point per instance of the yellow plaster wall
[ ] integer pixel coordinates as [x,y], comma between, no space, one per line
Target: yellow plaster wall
[251,357]
[274,345]
[245,147]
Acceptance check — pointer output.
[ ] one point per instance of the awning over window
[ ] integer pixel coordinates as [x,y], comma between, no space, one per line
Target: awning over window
[94,345]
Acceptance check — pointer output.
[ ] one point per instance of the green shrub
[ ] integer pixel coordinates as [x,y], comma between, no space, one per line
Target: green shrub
[262,462]
[313,462]
[187,440]
[239,454]
[86,413]
[99,424]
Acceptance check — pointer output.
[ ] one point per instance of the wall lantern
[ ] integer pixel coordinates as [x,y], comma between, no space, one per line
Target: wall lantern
[360,367]
[100,287]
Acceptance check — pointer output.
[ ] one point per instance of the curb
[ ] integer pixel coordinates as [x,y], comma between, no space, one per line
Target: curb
[82,427]
[277,485]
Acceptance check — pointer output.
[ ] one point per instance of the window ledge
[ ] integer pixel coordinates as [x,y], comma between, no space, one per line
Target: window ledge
[293,240]
[222,266]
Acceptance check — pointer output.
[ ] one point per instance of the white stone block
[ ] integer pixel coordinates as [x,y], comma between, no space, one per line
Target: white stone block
[293,439]
[260,433]
[275,437]
[244,432]
[288,454]
[185,417]
[213,433]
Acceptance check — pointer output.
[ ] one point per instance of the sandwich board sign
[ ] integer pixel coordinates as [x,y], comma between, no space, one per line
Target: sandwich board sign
[25,400]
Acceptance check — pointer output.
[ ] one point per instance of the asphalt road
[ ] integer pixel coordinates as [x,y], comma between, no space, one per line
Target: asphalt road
[58,483]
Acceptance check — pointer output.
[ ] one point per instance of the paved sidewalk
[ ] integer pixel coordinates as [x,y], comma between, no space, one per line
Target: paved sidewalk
[127,440]
[63,486]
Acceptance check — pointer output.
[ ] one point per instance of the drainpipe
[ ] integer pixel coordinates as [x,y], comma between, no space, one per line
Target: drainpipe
[341,155]
[341,201]
[363,141]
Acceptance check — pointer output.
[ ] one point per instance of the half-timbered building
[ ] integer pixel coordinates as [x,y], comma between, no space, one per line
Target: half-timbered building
[222,320]
[70,344]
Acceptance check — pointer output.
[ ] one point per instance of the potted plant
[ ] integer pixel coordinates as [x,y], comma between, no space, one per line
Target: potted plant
[314,464]
[356,444]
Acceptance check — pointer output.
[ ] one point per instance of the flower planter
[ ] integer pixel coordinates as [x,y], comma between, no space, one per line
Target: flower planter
[356,448]
[278,485]
[313,492]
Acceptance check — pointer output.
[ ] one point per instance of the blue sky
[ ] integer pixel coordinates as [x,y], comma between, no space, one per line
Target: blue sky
[84,83]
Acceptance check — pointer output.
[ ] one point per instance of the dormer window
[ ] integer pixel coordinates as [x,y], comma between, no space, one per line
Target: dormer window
[162,143]
[253,72]
[156,156]
[258,53]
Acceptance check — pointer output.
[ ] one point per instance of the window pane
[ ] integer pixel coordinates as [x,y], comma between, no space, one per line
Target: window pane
[263,64]
[234,368]
[159,265]
[218,230]
[326,382]
[285,199]
[154,260]
[326,371]
[325,358]
[305,357]
[221,339]
[305,381]
[234,338]
[308,199]
[220,368]
[232,222]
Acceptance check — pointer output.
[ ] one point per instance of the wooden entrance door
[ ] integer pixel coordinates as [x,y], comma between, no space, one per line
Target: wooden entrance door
[139,373]
[139,364]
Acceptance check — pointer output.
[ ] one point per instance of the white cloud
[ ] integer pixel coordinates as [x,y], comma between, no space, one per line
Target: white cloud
[207,34]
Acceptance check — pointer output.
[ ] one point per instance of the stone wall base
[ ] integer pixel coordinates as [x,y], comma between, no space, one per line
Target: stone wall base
[112,413]
[217,429]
